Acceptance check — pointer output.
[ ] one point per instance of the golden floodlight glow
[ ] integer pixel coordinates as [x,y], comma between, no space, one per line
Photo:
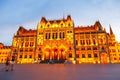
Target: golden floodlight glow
[61,40]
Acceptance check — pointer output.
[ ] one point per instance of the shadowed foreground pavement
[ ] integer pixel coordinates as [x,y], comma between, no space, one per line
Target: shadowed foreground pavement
[62,72]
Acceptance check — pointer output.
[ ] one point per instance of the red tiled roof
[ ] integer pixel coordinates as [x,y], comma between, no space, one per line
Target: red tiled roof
[23,31]
[85,29]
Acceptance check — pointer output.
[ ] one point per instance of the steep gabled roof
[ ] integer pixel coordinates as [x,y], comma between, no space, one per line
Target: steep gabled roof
[43,20]
[21,28]
[85,29]
[98,25]
[23,31]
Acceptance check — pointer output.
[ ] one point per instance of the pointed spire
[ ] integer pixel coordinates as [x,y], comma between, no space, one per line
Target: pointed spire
[63,17]
[43,19]
[98,25]
[111,32]
[21,28]
[68,17]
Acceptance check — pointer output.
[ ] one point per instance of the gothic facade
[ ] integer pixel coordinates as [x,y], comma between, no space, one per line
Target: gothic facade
[61,40]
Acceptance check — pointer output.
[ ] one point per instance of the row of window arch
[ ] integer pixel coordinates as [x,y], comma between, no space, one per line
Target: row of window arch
[25,56]
[55,35]
[89,42]
[55,25]
[87,56]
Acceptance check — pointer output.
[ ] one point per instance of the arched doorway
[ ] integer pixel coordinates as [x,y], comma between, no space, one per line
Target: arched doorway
[104,58]
[62,54]
[47,54]
[55,54]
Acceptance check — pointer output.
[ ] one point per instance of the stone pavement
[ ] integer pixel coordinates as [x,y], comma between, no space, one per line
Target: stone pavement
[62,72]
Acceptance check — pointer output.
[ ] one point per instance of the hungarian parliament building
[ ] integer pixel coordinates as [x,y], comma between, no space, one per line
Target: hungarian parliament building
[62,40]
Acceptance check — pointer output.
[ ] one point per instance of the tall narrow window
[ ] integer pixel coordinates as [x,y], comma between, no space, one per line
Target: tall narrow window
[83,55]
[56,35]
[46,36]
[22,44]
[76,42]
[81,42]
[94,41]
[30,56]
[49,36]
[95,55]
[63,35]
[60,35]
[26,44]
[52,35]
[89,55]
[31,44]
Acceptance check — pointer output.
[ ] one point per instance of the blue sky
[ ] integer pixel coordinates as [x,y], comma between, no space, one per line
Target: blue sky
[14,13]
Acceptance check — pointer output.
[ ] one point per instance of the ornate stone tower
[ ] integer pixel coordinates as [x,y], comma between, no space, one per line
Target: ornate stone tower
[55,39]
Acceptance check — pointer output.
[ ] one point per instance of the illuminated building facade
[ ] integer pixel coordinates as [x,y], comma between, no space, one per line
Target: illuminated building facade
[61,40]
[95,45]
[23,45]
[114,48]
[4,52]
[92,44]
[55,39]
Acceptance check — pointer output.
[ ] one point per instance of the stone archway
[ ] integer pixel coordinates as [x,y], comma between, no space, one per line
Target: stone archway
[104,58]
[62,54]
[47,54]
[55,50]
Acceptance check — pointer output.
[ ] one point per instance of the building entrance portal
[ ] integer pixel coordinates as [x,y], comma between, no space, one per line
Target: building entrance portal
[54,54]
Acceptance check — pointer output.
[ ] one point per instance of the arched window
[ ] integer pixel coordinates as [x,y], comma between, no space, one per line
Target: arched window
[41,26]
[62,25]
[95,55]
[48,26]
[69,25]
[83,55]
[62,35]
[30,56]
[70,55]
[89,55]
